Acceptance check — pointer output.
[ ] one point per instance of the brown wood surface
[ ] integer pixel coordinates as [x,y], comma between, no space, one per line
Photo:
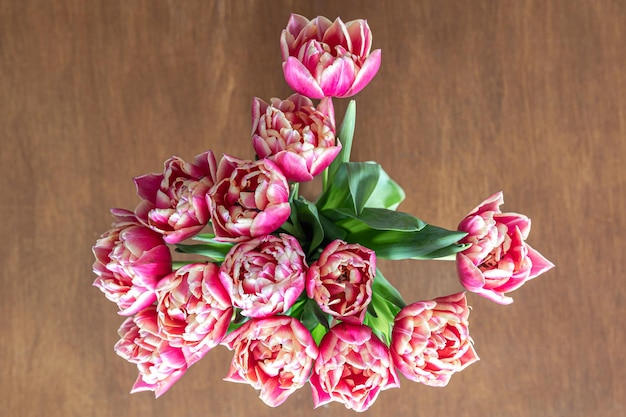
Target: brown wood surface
[528,97]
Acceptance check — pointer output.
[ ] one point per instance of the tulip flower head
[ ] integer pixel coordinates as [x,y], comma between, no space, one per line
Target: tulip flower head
[328,59]
[499,259]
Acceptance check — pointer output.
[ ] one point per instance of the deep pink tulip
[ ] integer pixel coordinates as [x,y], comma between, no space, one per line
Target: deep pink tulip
[296,135]
[130,261]
[174,202]
[352,367]
[274,355]
[264,276]
[430,340]
[328,59]
[194,309]
[499,259]
[249,199]
[340,281]
[160,365]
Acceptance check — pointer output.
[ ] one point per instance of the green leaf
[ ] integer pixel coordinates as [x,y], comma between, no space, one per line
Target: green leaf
[331,230]
[345,136]
[383,289]
[361,184]
[447,253]
[393,244]
[375,218]
[318,333]
[237,321]
[308,215]
[387,194]
[215,252]
[362,180]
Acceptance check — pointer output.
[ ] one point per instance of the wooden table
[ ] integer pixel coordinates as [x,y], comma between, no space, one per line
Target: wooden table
[474,97]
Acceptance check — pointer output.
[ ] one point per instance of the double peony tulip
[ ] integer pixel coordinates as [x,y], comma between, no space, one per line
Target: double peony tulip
[194,309]
[352,367]
[174,202]
[249,199]
[499,259]
[430,340]
[296,135]
[274,355]
[328,59]
[160,364]
[264,276]
[340,281]
[130,261]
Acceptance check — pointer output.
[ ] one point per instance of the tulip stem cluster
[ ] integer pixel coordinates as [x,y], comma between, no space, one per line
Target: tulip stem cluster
[292,286]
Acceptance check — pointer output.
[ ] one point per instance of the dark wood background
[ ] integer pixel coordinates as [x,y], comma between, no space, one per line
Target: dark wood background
[528,97]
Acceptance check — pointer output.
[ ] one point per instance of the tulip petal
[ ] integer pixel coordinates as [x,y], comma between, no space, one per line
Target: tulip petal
[300,79]
[366,73]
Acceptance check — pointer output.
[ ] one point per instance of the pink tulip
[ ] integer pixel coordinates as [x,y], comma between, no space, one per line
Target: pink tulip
[274,355]
[430,340]
[174,202]
[194,309]
[160,365]
[340,281]
[295,135]
[264,276]
[249,199]
[130,260]
[499,259]
[323,58]
[352,367]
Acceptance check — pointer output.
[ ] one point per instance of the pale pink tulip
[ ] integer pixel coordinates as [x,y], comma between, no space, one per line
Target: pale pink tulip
[264,276]
[296,135]
[274,355]
[249,199]
[130,261]
[160,365]
[174,202]
[323,58]
[340,281]
[352,367]
[430,340]
[499,259]
[194,309]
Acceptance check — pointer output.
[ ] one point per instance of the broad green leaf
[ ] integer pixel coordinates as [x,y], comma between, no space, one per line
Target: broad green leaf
[447,253]
[237,321]
[318,333]
[387,194]
[362,180]
[309,222]
[211,251]
[331,230]
[393,244]
[345,135]
[375,218]
[383,289]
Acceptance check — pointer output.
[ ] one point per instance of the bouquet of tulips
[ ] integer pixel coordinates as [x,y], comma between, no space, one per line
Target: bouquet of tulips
[291,285]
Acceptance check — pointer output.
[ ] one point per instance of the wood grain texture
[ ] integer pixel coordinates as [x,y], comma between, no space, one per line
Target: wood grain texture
[528,97]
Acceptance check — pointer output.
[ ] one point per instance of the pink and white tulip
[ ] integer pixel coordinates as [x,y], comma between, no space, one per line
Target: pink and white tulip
[340,281]
[160,365]
[274,355]
[328,59]
[296,135]
[194,309]
[430,340]
[352,367]
[174,202]
[499,259]
[130,261]
[249,199]
[264,276]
